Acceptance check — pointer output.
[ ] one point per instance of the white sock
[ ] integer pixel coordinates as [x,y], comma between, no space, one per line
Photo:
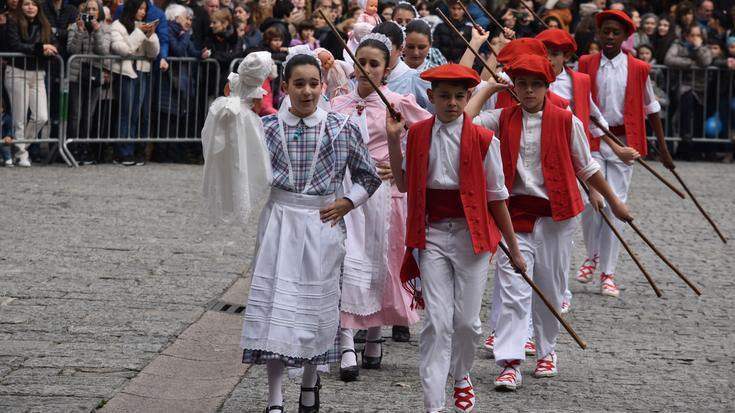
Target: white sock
[373,349]
[462,383]
[347,341]
[275,383]
[309,380]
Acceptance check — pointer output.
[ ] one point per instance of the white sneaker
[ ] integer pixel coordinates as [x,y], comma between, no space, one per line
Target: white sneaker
[464,395]
[9,163]
[24,163]
[510,378]
[546,366]
[565,307]
[608,286]
[530,347]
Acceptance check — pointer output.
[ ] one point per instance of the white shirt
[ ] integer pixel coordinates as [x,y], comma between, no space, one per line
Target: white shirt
[529,173]
[443,171]
[612,79]
[563,87]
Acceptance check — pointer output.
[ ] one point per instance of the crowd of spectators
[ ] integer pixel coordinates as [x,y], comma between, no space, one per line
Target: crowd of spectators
[153,94]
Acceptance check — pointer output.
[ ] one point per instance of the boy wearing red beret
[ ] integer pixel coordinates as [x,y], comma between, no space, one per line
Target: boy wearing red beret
[623,92]
[456,213]
[544,149]
[576,87]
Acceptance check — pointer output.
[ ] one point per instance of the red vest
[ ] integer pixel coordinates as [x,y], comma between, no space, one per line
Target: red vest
[506,100]
[556,158]
[634,115]
[581,97]
[472,184]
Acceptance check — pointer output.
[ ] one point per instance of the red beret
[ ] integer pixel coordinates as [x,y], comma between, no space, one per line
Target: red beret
[558,39]
[524,45]
[452,72]
[534,65]
[616,15]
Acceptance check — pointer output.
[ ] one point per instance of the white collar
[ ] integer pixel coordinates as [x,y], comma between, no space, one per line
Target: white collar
[450,125]
[615,61]
[310,121]
[563,75]
[401,69]
[538,114]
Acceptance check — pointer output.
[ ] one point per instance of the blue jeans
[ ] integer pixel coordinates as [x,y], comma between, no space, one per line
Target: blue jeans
[132,92]
[6,151]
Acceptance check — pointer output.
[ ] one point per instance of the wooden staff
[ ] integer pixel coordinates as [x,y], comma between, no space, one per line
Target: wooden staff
[546,301]
[490,16]
[640,161]
[699,207]
[625,245]
[393,112]
[664,259]
[477,27]
[477,55]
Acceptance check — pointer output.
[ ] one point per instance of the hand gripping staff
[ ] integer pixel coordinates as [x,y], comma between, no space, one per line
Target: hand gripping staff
[394,113]
[664,152]
[605,218]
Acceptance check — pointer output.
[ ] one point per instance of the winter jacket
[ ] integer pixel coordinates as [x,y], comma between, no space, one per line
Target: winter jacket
[80,41]
[29,44]
[154,13]
[134,44]
[59,20]
[224,47]
[176,89]
[447,42]
[682,55]
[253,39]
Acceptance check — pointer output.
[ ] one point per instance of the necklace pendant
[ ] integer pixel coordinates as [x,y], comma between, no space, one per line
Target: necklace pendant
[360,107]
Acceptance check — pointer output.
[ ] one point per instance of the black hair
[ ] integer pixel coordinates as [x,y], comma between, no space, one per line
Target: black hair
[403,6]
[282,9]
[392,31]
[419,26]
[130,9]
[376,44]
[300,60]
[304,25]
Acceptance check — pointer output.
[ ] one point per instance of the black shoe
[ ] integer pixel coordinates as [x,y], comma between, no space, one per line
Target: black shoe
[271,408]
[360,336]
[315,389]
[348,374]
[372,362]
[401,334]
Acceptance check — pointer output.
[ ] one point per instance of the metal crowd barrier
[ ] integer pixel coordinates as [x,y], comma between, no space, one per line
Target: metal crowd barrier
[167,107]
[699,103]
[20,85]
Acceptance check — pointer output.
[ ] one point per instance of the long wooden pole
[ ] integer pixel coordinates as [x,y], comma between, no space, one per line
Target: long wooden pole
[546,301]
[477,27]
[391,109]
[640,161]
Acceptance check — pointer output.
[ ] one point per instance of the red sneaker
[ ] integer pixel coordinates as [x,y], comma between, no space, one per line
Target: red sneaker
[464,396]
[587,270]
[490,343]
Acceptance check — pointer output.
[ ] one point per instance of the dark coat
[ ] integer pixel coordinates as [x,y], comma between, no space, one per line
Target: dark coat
[177,84]
[447,41]
[29,44]
[60,21]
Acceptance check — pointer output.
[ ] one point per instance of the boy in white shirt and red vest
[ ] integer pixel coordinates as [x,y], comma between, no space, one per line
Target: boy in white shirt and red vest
[576,87]
[456,214]
[623,92]
[544,150]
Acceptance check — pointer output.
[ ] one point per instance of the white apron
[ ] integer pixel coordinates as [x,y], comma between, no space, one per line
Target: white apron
[293,305]
[366,260]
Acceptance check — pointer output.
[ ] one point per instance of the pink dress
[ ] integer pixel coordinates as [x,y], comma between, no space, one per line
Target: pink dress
[372,294]
[366,18]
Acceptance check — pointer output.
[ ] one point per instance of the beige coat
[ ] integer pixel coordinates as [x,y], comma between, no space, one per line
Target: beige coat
[135,44]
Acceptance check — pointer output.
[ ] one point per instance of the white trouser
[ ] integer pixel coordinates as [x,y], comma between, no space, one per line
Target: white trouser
[598,237]
[27,91]
[453,280]
[547,252]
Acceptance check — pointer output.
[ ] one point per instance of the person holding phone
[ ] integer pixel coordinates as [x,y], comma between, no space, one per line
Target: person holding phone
[131,36]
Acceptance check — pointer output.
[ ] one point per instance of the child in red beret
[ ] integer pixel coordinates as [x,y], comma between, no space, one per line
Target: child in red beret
[456,213]
[624,93]
[544,150]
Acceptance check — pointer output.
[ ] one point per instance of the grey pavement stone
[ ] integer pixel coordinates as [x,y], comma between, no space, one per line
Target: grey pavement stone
[645,354]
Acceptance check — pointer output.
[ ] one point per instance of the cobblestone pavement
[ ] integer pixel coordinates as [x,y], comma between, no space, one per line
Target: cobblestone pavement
[102,267]
[672,354]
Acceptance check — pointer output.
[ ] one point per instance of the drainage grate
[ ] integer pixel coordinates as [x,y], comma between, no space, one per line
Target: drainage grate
[225,307]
